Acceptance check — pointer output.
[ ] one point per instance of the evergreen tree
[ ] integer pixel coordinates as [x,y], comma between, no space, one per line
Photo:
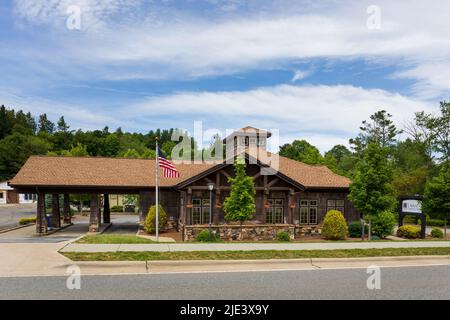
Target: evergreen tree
[240,204]
[45,125]
[380,130]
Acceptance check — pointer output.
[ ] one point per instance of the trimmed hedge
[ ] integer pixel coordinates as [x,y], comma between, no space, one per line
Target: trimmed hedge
[437,233]
[25,221]
[117,209]
[203,236]
[334,226]
[355,229]
[150,220]
[283,236]
[408,232]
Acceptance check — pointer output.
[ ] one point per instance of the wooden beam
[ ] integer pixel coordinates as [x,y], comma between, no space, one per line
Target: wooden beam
[225,173]
[256,176]
[271,183]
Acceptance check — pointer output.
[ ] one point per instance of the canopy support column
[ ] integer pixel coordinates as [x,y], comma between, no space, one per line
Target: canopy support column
[41,221]
[66,210]
[106,209]
[56,214]
[94,219]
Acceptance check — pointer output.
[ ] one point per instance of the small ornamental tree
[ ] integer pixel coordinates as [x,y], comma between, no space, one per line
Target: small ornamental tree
[240,204]
[436,202]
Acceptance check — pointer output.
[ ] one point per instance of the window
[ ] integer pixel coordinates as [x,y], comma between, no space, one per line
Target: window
[262,142]
[28,197]
[308,211]
[275,211]
[1,195]
[253,141]
[200,211]
[338,205]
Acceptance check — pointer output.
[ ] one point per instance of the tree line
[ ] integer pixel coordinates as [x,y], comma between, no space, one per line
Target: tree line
[382,167]
[23,135]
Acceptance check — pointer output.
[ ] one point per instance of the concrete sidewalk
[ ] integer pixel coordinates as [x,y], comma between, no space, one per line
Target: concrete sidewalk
[172,247]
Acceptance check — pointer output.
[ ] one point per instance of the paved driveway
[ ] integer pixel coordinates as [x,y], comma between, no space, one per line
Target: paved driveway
[10,214]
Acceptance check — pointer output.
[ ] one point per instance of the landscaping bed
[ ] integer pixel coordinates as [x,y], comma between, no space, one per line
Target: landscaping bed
[254,255]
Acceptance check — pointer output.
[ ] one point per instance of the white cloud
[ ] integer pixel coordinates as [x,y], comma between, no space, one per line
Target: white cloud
[324,114]
[299,75]
[173,44]
[433,79]
[94,13]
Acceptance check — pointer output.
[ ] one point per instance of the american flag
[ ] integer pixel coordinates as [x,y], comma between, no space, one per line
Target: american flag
[169,169]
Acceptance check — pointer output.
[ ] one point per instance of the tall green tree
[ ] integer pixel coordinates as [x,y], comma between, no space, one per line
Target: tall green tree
[434,131]
[436,201]
[340,160]
[16,149]
[302,151]
[240,204]
[380,130]
[45,125]
[371,191]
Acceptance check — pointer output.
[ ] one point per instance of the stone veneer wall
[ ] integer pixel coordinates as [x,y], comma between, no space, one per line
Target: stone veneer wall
[257,232]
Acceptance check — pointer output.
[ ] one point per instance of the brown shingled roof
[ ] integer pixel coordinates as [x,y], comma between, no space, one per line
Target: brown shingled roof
[311,176]
[117,172]
[105,172]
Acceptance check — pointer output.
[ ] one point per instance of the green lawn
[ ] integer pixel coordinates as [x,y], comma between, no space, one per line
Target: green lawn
[112,239]
[242,255]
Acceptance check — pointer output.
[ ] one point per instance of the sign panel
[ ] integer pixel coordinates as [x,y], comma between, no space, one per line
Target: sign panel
[412,206]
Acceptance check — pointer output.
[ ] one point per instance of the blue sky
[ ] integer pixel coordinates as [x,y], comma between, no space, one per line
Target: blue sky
[312,71]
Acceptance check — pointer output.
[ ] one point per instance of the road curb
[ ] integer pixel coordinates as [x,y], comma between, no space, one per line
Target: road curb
[16,228]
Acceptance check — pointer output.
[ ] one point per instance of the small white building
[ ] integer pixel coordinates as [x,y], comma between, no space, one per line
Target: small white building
[8,195]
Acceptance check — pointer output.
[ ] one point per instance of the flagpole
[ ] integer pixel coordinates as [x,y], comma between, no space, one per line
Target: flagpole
[157,191]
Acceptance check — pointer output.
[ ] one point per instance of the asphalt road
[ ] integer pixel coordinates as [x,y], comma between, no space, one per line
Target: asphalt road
[11,214]
[396,283]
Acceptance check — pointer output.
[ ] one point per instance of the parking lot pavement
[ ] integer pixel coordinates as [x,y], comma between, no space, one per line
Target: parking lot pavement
[121,224]
[10,214]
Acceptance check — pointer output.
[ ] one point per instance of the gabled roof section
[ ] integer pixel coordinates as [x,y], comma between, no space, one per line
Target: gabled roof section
[302,175]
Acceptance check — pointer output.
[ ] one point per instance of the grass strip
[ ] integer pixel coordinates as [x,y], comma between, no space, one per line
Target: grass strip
[112,239]
[253,255]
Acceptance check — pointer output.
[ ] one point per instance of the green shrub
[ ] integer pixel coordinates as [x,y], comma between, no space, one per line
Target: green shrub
[334,226]
[435,223]
[117,209]
[437,233]
[150,220]
[25,221]
[383,224]
[283,236]
[375,238]
[409,232]
[203,236]
[355,228]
